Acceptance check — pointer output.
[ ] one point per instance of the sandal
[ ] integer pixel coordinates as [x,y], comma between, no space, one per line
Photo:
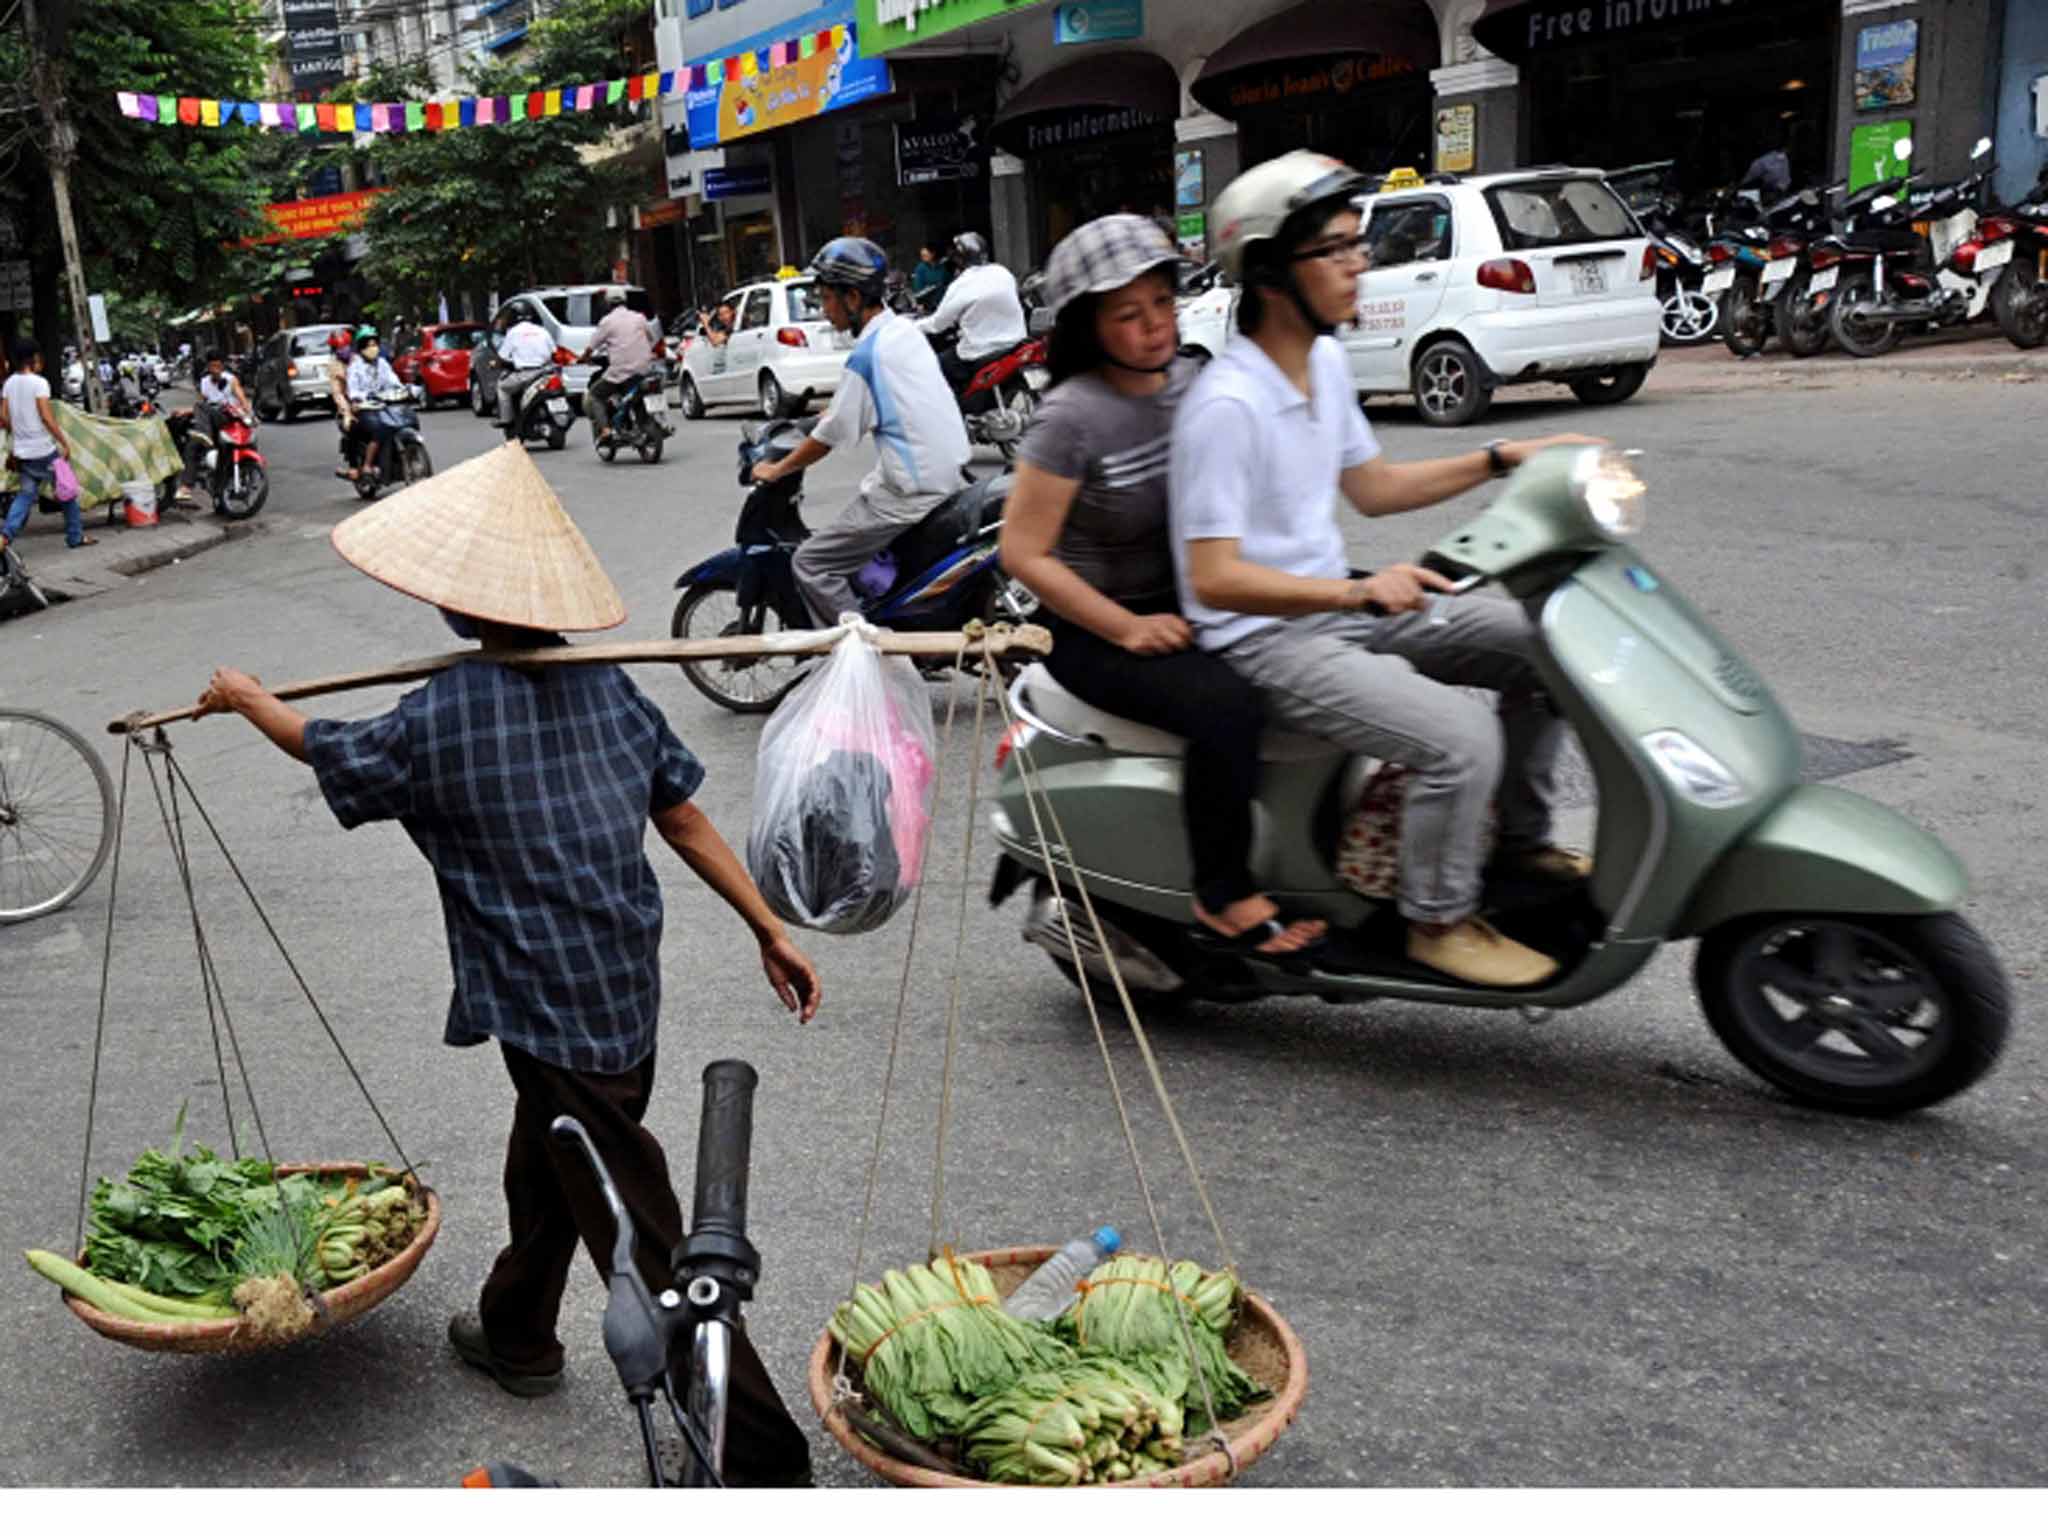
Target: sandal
[85,540]
[1245,944]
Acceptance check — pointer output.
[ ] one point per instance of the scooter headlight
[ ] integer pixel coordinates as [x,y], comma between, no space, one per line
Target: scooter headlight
[1611,491]
[1694,771]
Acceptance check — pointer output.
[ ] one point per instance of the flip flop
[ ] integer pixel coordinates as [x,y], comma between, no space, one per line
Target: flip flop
[88,539]
[1244,944]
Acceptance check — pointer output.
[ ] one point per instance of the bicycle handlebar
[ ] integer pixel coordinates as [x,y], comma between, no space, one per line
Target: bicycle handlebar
[725,1138]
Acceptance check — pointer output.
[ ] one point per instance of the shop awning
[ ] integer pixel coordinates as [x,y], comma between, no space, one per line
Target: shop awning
[1515,29]
[1395,39]
[1090,98]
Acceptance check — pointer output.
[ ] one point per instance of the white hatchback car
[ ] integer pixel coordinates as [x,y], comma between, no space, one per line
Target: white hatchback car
[1477,283]
[783,352]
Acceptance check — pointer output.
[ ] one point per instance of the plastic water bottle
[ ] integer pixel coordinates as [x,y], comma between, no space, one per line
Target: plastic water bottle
[1049,1289]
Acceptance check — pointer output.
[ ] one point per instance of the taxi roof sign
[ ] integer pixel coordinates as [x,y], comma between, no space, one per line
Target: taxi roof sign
[1402,180]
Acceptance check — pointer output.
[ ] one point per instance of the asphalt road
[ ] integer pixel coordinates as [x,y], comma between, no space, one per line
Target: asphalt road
[1592,1250]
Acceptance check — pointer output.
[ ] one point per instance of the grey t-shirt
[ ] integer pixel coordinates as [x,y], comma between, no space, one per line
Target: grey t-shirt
[1117,446]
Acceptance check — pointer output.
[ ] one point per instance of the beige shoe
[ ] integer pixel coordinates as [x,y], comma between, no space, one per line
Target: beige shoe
[1479,953]
[1552,863]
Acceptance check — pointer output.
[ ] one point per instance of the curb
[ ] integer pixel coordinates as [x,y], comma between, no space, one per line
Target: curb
[70,586]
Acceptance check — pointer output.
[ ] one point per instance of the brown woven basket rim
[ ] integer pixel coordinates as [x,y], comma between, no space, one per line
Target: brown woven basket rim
[1250,1437]
[343,1302]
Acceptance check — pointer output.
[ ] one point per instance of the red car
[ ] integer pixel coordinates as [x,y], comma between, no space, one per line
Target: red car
[440,360]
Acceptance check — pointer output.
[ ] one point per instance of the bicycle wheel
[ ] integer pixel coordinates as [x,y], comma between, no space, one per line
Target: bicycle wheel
[56,814]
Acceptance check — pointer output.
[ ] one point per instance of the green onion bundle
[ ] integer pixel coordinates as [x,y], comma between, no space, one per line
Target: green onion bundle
[932,1340]
[1130,1309]
[1093,1420]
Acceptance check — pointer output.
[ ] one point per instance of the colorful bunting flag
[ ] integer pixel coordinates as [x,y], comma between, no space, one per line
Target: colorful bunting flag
[467,111]
[806,46]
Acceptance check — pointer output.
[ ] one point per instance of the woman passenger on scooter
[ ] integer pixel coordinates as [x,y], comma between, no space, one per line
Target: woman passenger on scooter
[1085,529]
[341,352]
[368,377]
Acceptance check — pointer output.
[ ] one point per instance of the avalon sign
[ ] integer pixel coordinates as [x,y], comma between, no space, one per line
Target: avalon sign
[940,148]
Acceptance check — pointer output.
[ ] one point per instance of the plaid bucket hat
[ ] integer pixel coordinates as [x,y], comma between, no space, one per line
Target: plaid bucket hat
[1103,255]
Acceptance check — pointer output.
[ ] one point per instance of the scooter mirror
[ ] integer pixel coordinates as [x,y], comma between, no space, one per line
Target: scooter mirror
[1887,201]
[1902,149]
[1983,148]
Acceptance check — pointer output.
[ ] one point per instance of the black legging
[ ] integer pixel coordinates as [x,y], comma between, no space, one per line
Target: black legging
[1196,696]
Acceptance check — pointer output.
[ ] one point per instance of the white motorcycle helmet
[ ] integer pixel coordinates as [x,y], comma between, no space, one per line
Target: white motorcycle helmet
[1273,207]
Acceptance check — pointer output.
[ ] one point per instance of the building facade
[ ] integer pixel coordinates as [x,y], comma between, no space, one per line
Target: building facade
[1081,107]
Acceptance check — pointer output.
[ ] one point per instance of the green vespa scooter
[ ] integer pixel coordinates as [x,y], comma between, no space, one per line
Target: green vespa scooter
[1832,959]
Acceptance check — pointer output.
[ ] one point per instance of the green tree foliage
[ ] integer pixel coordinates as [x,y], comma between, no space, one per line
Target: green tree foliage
[509,205]
[153,206]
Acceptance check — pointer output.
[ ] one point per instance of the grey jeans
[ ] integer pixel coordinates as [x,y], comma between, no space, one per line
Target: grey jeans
[1389,688]
[510,387]
[825,563]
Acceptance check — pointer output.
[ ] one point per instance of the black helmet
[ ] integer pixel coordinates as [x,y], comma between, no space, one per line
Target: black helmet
[969,249]
[851,262]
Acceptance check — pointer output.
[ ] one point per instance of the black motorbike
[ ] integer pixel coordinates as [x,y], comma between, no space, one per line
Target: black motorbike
[542,413]
[2020,298]
[937,575]
[639,418]
[403,459]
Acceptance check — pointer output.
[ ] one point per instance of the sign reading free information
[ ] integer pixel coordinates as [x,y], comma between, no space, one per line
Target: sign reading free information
[805,87]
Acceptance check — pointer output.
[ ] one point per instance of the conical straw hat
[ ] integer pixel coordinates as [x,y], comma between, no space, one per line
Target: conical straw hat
[489,539]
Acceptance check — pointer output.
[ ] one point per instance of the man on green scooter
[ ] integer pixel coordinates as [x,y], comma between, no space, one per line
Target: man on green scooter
[1268,435]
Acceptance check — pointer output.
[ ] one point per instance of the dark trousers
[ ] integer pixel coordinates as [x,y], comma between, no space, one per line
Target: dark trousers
[553,1202]
[1197,696]
[205,434]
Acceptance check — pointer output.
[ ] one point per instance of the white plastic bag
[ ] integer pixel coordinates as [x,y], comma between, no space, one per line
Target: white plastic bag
[843,791]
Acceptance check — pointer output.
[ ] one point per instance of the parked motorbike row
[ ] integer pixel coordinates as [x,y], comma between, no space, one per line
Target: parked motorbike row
[1860,271]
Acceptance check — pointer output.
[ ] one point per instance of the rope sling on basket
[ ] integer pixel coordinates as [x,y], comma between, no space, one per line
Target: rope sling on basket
[313,1213]
[1117,1438]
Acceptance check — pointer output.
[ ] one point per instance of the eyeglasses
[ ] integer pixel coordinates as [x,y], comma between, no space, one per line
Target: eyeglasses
[1355,247]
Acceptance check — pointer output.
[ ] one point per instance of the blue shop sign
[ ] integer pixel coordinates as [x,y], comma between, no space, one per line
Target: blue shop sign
[773,97]
[737,181]
[1098,21]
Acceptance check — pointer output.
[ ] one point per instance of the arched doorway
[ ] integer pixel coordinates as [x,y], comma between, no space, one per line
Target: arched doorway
[1348,79]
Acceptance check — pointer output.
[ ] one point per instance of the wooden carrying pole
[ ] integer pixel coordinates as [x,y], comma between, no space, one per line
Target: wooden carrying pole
[998,642]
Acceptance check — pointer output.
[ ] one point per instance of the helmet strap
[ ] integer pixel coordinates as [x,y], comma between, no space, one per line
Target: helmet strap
[1110,359]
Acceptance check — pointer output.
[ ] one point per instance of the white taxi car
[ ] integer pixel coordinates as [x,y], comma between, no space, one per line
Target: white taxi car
[1483,282]
[783,353]
[1538,276]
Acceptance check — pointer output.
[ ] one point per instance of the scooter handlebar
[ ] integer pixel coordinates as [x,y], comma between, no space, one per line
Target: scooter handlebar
[725,1138]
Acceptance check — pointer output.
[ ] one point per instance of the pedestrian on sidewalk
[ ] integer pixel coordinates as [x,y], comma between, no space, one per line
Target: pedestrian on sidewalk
[529,791]
[37,442]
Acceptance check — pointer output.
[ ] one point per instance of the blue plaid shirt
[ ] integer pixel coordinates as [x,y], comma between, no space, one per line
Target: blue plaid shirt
[530,794]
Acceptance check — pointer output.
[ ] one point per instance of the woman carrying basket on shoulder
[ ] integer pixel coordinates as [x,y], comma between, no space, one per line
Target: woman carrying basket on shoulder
[1085,529]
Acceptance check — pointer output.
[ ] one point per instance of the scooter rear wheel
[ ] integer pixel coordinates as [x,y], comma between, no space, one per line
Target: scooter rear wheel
[1860,338]
[1865,1015]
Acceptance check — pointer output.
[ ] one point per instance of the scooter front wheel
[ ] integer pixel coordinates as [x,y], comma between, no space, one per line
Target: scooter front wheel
[1866,1015]
[750,686]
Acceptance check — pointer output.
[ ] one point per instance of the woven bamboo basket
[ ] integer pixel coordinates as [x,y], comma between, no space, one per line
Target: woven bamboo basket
[1260,1342]
[340,1305]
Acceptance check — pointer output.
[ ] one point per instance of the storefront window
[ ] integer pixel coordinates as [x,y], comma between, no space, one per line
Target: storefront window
[750,242]
[1711,95]
[1129,173]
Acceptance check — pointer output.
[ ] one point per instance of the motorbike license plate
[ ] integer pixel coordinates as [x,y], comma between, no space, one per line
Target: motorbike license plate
[1824,280]
[558,410]
[1037,378]
[1588,277]
[658,404]
[1777,271]
[1992,257]
[1720,280]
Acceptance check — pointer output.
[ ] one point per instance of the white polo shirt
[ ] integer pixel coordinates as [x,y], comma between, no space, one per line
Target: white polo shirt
[1257,461]
[893,388]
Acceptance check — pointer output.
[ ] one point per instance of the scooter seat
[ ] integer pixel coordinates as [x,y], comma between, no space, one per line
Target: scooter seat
[1068,715]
